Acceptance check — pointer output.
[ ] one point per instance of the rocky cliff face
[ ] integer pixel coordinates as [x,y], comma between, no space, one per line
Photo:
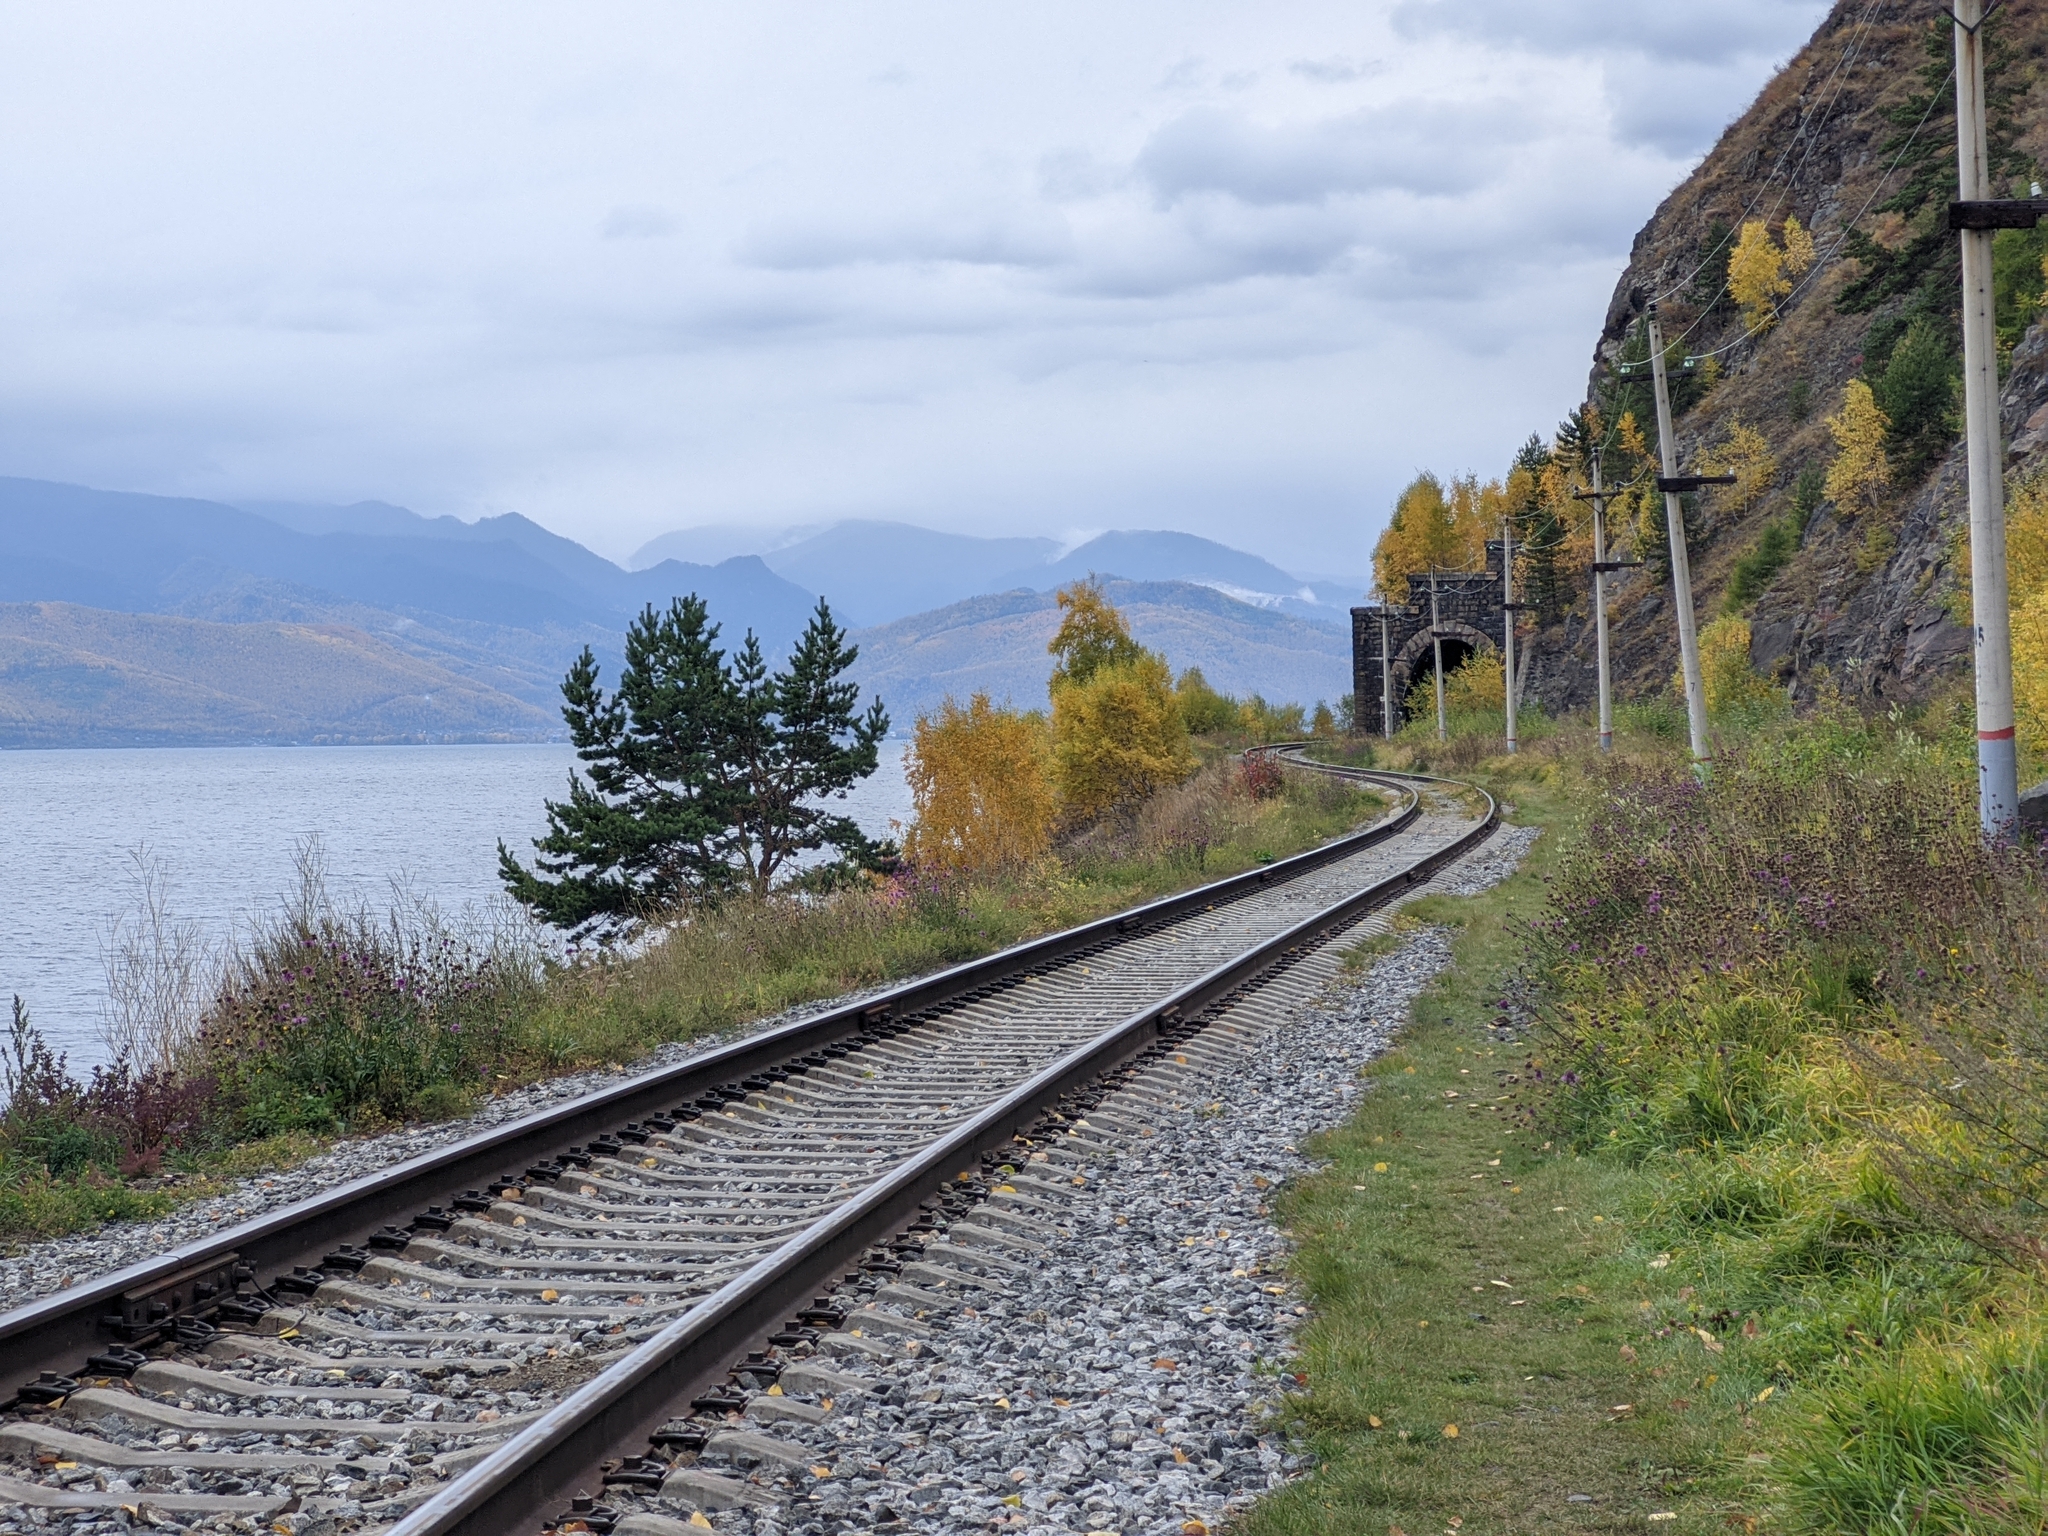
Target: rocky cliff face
[1870,597]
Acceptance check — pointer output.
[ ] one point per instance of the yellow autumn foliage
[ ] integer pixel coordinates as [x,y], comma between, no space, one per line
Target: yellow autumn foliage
[981,782]
[1092,634]
[2026,567]
[2030,665]
[1746,454]
[1760,270]
[1479,685]
[1730,682]
[1433,526]
[1859,474]
[1117,737]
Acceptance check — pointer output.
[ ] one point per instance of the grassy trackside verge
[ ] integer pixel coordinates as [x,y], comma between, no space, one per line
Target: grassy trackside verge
[1473,1289]
[1748,1231]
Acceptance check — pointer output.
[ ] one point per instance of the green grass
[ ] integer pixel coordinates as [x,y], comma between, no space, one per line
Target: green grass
[1428,1201]
[34,1204]
[1737,1313]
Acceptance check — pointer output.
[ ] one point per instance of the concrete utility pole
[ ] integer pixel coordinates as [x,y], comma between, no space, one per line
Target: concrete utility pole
[1386,676]
[1998,788]
[1436,640]
[1507,620]
[1681,563]
[1599,496]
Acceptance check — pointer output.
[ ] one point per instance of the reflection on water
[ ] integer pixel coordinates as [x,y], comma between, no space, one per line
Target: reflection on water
[223,823]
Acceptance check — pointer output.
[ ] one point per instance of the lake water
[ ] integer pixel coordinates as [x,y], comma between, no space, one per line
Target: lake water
[222,824]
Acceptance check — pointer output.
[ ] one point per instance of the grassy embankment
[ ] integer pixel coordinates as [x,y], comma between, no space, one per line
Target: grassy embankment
[335,1024]
[1747,1232]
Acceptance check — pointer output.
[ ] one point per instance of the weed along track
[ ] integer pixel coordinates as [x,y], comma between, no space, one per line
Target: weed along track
[650,1288]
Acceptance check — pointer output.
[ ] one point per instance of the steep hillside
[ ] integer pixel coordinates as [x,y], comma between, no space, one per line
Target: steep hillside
[1854,139]
[74,676]
[996,645]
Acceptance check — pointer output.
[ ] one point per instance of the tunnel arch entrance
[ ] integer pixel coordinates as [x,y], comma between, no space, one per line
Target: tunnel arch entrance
[1416,661]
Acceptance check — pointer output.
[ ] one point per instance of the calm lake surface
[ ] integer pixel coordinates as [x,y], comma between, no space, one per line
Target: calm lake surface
[223,823]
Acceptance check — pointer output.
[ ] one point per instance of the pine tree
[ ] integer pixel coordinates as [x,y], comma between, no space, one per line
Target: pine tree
[1917,391]
[699,776]
[806,743]
[1539,532]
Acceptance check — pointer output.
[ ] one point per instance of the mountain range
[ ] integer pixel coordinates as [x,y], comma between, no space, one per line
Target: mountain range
[130,618]
[996,644]
[877,572]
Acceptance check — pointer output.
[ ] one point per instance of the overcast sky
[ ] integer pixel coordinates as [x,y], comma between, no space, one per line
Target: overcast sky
[1238,269]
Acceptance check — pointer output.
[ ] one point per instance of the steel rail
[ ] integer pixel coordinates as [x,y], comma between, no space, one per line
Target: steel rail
[543,1462]
[54,1332]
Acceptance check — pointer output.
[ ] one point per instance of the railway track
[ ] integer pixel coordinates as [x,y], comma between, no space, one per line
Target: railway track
[655,1274]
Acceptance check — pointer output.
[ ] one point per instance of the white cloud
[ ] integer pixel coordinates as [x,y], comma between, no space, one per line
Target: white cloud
[1235,269]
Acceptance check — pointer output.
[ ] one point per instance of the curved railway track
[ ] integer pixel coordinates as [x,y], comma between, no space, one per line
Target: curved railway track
[459,1343]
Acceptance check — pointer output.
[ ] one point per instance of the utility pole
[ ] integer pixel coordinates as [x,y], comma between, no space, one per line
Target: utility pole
[1681,563]
[1998,788]
[1436,640]
[1507,620]
[1386,676]
[1599,496]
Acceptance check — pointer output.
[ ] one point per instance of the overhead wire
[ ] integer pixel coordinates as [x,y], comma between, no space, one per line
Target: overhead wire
[1832,89]
[1809,132]
[1805,139]
[1841,237]
[1807,135]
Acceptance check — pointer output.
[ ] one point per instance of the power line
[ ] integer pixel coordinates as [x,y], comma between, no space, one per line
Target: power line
[1808,130]
[1841,238]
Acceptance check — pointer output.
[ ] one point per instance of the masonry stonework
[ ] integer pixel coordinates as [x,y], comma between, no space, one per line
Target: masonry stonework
[1470,613]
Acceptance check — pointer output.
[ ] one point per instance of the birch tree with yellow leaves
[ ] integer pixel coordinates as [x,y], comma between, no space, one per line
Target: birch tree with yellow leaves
[1434,527]
[1860,474]
[1117,730]
[980,779]
[1760,270]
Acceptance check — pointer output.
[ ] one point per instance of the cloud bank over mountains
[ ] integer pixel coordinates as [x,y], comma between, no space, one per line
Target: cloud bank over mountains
[1233,270]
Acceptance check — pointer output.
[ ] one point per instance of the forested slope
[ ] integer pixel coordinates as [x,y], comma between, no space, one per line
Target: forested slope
[1804,261]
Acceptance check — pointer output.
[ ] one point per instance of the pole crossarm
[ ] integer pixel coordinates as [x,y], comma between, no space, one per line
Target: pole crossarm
[1996,213]
[1684,483]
